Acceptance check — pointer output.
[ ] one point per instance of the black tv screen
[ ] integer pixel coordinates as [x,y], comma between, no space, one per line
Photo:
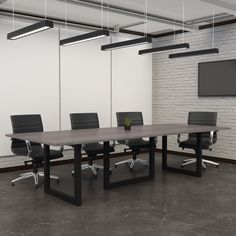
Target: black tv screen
[217,78]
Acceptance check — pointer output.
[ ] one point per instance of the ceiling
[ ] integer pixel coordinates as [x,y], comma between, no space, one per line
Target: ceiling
[164,14]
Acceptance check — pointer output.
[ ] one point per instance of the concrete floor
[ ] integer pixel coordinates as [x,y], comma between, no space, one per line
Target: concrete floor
[173,204]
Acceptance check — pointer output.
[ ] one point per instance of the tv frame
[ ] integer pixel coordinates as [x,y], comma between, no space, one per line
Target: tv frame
[208,62]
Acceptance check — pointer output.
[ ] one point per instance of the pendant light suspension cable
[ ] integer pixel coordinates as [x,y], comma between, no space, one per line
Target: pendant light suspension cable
[108,17]
[45,9]
[213,30]
[102,14]
[174,34]
[168,47]
[30,29]
[145,19]
[183,21]
[132,42]
[65,13]
[13,15]
[85,37]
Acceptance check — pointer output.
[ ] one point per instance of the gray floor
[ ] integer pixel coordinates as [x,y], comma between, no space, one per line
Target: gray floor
[173,204]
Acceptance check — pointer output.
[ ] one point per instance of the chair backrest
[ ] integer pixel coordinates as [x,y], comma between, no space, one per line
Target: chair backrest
[25,124]
[203,118]
[135,117]
[84,121]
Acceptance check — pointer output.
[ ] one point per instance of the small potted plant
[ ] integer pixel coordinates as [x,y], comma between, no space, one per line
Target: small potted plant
[128,122]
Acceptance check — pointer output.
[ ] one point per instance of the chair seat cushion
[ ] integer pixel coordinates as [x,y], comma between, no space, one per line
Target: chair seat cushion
[191,143]
[138,144]
[93,149]
[37,153]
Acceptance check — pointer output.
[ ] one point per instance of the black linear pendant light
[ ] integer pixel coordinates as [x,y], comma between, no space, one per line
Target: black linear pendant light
[127,43]
[132,42]
[163,49]
[84,37]
[194,53]
[212,50]
[168,47]
[31,29]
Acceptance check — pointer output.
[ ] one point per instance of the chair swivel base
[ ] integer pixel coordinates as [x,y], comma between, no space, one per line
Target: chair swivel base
[35,176]
[94,168]
[132,162]
[204,162]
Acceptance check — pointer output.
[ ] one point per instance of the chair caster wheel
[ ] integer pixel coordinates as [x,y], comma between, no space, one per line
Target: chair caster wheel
[72,174]
[12,184]
[36,186]
[182,166]
[131,169]
[217,166]
[58,181]
[110,172]
[97,169]
[116,166]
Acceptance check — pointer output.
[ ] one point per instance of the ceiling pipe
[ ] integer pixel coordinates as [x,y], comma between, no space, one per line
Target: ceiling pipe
[131,12]
[61,22]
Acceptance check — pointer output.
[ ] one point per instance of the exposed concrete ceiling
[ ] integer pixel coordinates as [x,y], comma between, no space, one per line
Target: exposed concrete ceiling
[172,10]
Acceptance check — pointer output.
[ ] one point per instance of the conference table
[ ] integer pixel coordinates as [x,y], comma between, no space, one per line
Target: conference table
[76,138]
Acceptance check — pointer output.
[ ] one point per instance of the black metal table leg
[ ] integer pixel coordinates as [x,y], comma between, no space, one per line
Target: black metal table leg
[76,197]
[164,152]
[197,172]
[46,169]
[199,155]
[152,147]
[107,182]
[77,175]
[106,165]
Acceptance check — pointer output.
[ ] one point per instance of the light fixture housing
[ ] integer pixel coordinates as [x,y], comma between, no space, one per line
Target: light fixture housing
[127,43]
[165,48]
[31,29]
[194,53]
[84,37]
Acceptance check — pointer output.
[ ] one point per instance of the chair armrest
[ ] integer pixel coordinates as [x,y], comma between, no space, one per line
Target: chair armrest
[178,138]
[155,140]
[113,144]
[212,137]
[82,147]
[29,148]
[61,148]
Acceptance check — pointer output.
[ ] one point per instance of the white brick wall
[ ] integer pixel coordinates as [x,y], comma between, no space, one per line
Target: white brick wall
[175,87]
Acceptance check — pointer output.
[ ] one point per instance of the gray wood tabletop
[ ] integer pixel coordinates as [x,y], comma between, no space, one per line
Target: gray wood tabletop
[73,137]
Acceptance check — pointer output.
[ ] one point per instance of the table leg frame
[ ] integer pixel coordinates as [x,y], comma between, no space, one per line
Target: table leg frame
[197,172]
[75,199]
[106,162]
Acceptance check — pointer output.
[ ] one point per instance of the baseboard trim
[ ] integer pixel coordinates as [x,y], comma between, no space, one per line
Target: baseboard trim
[84,159]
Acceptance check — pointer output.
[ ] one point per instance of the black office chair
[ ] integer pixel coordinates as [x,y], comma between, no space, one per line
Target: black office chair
[135,145]
[35,151]
[208,139]
[89,121]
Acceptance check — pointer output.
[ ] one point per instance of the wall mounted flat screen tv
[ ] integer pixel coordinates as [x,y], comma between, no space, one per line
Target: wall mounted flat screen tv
[217,78]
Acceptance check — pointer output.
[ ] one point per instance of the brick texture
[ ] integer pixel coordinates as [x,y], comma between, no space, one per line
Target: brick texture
[175,87]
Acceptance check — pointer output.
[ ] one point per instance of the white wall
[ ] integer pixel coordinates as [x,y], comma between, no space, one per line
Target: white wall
[30,80]
[85,76]
[132,81]
[175,87]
